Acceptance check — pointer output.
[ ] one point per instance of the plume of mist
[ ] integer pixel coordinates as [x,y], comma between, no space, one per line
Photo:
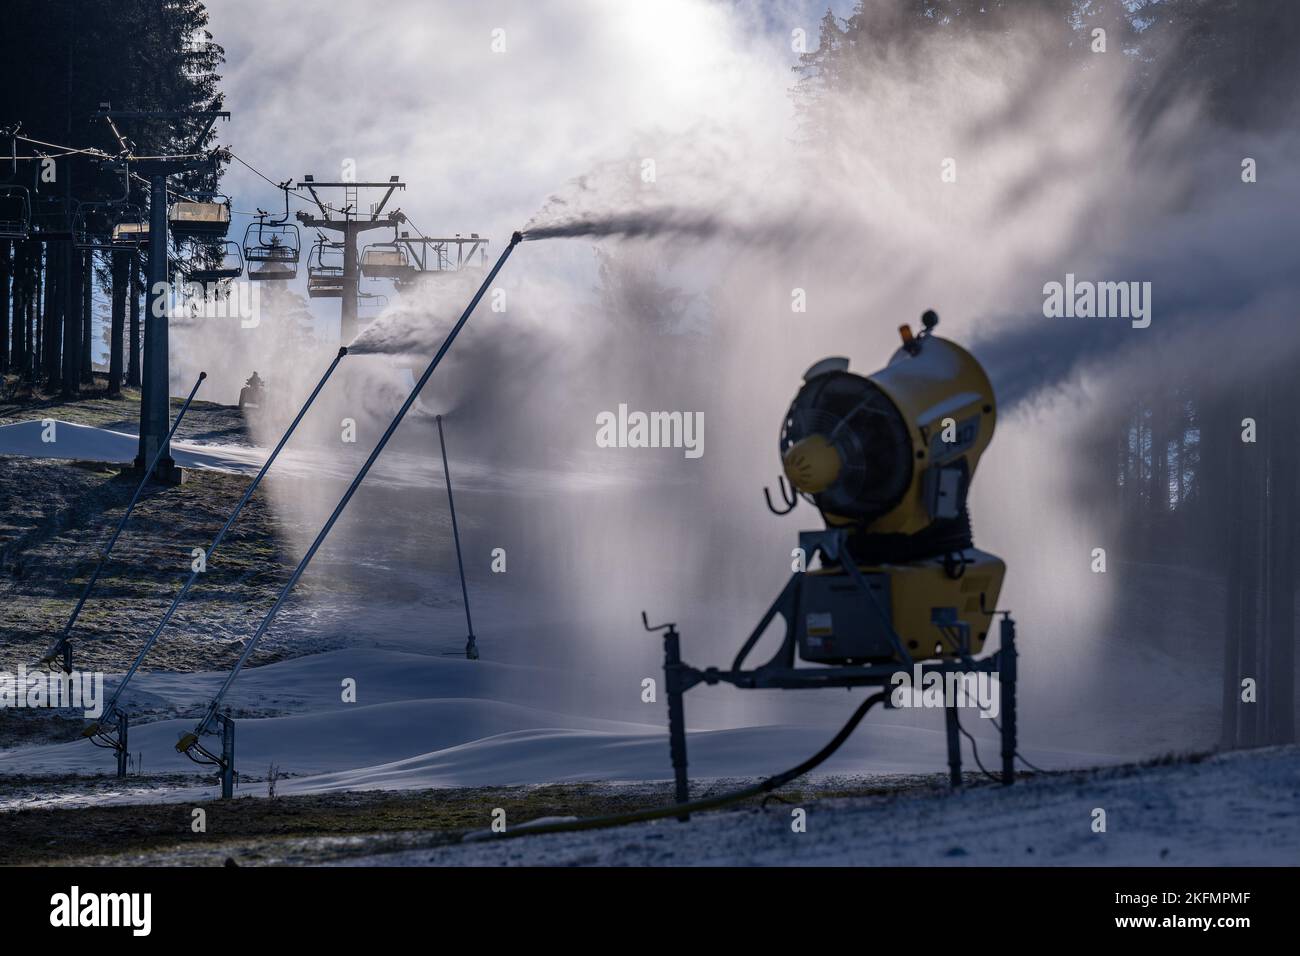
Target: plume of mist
[686,305]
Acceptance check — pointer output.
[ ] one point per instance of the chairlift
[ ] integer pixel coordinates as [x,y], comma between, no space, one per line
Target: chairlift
[218,261]
[200,218]
[92,225]
[324,277]
[130,227]
[15,212]
[386,260]
[372,300]
[101,224]
[271,250]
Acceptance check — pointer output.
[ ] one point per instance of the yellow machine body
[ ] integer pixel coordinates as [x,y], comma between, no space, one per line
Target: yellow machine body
[848,630]
[940,382]
[889,458]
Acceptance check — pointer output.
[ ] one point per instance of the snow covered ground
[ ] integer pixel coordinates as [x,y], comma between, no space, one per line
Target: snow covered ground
[423,718]
[424,721]
[1240,809]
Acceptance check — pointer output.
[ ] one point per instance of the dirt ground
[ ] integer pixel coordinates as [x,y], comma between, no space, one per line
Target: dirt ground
[55,516]
[329,828]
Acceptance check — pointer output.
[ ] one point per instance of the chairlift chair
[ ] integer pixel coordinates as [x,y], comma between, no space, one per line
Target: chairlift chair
[15,212]
[92,225]
[324,280]
[386,260]
[206,218]
[130,226]
[271,250]
[221,261]
[372,300]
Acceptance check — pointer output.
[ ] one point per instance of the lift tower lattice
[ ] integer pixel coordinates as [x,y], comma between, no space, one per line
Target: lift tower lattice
[350,225]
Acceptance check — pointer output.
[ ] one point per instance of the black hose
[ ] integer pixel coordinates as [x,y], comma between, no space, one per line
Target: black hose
[706,803]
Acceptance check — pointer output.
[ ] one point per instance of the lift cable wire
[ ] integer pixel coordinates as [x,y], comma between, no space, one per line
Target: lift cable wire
[99,153]
[705,803]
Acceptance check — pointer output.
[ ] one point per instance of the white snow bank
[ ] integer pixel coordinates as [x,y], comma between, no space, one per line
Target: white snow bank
[87,443]
[396,468]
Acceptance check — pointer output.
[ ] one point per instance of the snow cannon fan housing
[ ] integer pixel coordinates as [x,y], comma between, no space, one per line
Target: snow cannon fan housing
[889,458]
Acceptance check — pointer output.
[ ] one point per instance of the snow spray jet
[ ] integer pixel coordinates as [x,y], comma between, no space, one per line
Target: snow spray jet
[667,221]
[95,729]
[1055,175]
[62,646]
[189,743]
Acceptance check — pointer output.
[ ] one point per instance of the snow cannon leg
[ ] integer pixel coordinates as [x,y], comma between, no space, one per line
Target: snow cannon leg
[227,757]
[954,744]
[1007,689]
[121,744]
[676,715]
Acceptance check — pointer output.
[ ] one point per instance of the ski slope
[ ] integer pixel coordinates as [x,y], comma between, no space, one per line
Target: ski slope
[1236,809]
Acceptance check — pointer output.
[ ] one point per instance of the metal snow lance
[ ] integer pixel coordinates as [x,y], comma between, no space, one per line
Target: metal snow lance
[471,645]
[62,646]
[189,743]
[98,731]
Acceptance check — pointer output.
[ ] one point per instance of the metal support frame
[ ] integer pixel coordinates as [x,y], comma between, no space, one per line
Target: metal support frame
[431,254]
[225,761]
[780,672]
[117,741]
[471,646]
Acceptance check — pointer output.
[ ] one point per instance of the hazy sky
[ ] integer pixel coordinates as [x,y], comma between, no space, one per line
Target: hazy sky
[481,137]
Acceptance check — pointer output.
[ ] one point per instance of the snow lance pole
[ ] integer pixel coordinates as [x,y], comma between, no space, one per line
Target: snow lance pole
[471,646]
[61,645]
[110,707]
[190,741]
